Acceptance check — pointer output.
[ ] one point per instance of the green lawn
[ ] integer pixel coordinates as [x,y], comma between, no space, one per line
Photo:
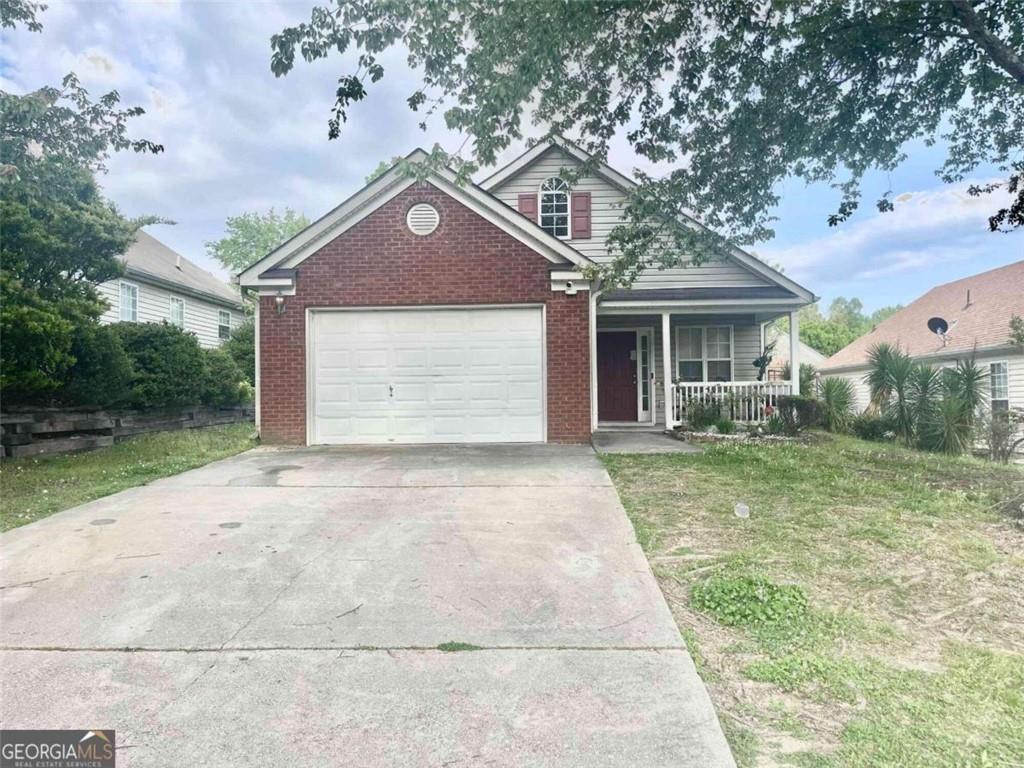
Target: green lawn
[867,613]
[34,488]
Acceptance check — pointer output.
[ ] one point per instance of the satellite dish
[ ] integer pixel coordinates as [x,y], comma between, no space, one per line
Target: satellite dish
[938,326]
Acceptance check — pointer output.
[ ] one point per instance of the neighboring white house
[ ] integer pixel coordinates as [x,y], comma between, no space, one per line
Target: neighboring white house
[976,310]
[160,285]
[780,354]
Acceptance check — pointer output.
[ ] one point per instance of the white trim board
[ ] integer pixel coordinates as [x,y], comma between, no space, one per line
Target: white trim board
[385,188]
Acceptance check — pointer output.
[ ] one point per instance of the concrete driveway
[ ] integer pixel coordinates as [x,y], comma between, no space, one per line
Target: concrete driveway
[285,607]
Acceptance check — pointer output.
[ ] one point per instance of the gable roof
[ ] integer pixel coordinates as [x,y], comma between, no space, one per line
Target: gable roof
[270,270]
[780,355]
[626,185]
[980,306]
[149,260]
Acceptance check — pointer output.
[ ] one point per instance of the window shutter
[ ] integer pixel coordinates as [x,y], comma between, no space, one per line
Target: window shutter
[528,205]
[580,215]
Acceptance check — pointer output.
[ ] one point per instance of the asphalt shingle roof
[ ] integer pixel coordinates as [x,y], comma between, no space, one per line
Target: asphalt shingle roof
[982,322]
[147,256]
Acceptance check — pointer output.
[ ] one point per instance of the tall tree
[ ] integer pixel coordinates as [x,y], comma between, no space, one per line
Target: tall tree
[844,323]
[736,95]
[60,237]
[251,236]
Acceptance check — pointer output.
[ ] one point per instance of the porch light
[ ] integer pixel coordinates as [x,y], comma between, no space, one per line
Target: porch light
[279,303]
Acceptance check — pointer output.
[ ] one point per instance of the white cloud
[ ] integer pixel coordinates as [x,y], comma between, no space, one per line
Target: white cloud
[927,228]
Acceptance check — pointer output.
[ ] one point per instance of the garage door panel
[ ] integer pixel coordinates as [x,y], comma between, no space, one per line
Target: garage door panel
[445,375]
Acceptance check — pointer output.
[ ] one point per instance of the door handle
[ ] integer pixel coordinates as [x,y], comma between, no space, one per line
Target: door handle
[391,390]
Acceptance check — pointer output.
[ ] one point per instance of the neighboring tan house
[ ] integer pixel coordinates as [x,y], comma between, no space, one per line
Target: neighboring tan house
[429,312]
[780,354]
[976,312]
[162,286]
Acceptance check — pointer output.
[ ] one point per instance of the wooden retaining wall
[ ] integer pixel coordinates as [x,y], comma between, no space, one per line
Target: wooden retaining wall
[43,431]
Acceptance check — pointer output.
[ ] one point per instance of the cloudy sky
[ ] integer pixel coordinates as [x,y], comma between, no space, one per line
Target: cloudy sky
[238,139]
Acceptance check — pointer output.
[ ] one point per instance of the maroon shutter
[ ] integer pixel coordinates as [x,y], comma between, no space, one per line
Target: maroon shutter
[528,205]
[580,215]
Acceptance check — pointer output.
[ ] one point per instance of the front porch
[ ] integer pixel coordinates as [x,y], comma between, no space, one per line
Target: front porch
[682,355]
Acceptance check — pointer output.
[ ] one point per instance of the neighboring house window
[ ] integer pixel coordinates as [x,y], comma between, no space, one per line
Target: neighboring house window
[129,303]
[999,386]
[554,207]
[704,354]
[177,311]
[223,324]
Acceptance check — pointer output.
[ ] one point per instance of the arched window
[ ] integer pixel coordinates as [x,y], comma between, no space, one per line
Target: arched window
[554,207]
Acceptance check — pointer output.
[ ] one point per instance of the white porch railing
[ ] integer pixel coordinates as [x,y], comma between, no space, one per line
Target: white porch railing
[748,401]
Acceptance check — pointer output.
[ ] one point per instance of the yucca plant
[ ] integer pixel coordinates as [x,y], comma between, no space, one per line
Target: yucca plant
[878,379]
[947,428]
[925,393]
[967,383]
[836,403]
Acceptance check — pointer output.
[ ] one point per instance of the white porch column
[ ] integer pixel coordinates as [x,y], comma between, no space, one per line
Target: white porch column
[666,367]
[794,351]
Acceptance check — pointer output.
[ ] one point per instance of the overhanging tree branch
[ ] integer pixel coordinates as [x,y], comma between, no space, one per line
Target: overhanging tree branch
[998,51]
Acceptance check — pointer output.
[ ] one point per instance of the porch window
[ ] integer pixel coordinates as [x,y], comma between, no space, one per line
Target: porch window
[704,353]
[554,207]
[999,387]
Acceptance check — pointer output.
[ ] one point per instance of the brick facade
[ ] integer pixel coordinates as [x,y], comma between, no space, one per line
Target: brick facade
[379,262]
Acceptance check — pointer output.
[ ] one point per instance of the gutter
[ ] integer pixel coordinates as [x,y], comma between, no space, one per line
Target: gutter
[147,277]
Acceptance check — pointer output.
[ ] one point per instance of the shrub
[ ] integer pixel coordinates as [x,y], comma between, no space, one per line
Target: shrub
[807,374]
[242,347]
[167,364]
[701,414]
[798,412]
[946,427]
[224,383]
[748,601]
[836,404]
[102,372]
[1002,433]
[725,426]
[774,425]
[870,426]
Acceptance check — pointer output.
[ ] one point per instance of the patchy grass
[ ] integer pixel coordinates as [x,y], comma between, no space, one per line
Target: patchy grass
[867,613]
[36,487]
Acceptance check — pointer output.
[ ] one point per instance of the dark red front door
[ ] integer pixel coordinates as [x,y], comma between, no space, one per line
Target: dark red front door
[616,376]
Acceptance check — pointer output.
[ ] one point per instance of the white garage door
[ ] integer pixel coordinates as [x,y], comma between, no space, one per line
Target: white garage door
[427,376]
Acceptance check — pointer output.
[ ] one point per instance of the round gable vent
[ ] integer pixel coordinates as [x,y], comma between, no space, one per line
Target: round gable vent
[422,219]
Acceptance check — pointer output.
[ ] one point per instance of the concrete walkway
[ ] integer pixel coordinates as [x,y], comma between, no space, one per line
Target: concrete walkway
[286,608]
[639,441]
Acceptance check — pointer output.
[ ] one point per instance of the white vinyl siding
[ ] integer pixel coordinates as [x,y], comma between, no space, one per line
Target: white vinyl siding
[746,344]
[606,202]
[177,312]
[153,306]
[1014,362]
[128,298]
